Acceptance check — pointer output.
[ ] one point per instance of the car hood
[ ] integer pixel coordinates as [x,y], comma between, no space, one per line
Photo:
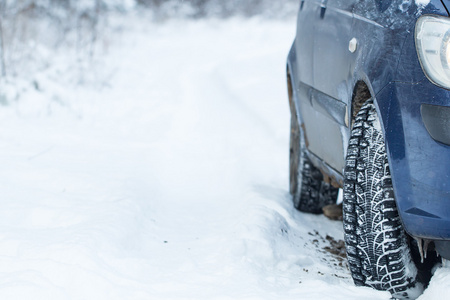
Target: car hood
[446,4]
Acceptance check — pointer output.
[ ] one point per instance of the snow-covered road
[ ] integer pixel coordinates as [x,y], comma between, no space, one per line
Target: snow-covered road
[170,182]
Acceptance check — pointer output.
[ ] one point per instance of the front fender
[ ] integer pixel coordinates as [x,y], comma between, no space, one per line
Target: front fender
[419,165]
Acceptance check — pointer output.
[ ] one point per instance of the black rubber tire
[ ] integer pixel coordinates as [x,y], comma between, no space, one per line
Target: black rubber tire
[309,192]
[377,246]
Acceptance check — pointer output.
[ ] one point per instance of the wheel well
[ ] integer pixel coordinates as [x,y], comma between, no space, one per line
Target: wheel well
[289,86]
[361,93]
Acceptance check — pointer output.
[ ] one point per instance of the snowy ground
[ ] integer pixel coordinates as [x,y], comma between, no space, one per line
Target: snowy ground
[170,182]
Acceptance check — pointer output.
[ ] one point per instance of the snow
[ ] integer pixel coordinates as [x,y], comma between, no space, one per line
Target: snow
[422,3]
[439,285]
[167,178]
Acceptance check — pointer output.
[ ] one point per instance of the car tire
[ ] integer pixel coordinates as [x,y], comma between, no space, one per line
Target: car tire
[377,246]
[309,192]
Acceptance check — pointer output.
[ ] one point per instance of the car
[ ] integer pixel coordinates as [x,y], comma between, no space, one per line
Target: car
[369,94]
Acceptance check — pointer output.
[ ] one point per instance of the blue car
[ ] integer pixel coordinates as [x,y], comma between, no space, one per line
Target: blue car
[369,92]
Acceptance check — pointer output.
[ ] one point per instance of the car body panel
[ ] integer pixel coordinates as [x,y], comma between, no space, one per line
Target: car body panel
[420,166]
[446,4]
[332,85]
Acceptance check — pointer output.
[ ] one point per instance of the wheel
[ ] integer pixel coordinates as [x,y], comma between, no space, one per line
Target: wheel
[378,252]
[309,192]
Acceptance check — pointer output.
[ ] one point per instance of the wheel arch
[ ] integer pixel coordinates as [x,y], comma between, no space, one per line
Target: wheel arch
[290,89]
[390,118]
[291,76]
[361,93]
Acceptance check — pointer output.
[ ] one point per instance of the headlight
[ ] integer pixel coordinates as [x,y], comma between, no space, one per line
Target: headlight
[433,47]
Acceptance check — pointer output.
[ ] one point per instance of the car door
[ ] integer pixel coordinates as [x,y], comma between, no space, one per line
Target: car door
[304,45]
[326,125]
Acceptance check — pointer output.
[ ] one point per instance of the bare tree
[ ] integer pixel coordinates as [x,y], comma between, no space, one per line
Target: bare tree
[2,44]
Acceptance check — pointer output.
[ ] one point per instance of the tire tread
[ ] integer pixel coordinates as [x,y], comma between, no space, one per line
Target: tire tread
[377,251]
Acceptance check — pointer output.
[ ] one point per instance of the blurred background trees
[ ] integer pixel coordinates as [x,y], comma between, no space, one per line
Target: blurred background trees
[220,8]
[31,30]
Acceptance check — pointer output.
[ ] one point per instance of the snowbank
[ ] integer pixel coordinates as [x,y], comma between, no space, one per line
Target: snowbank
[167,181]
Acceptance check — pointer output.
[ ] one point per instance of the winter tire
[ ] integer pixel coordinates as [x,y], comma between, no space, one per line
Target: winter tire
[377,246]
[309,192]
